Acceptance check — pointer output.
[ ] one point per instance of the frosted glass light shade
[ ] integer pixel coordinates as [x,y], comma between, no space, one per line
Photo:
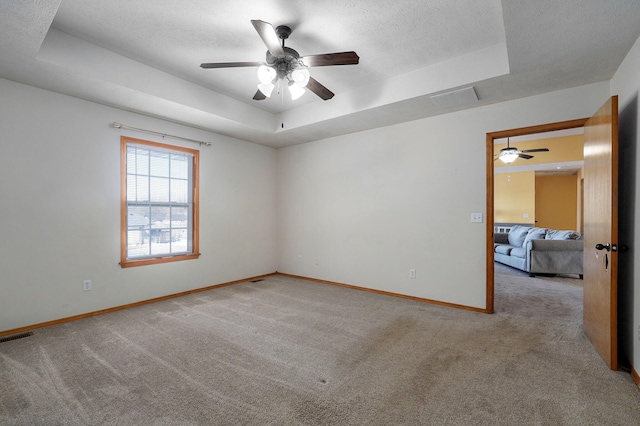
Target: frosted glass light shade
[509,158]
[296,90]
[300,76]
[266,74]
[266,89]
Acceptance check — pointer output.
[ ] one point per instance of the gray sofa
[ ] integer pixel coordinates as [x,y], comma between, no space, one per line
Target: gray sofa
[540,250]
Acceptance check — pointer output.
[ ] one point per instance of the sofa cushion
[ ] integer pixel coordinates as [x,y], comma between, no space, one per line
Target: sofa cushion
[562,235]
[520,252]
[503,249]
[534,234]
[517,234]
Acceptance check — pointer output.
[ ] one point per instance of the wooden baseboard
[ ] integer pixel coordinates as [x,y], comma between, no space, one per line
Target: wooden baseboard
[388,293]
[122,307]
[636,376]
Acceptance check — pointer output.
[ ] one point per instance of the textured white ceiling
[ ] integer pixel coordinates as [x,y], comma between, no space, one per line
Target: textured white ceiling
[144,55]
[410,35]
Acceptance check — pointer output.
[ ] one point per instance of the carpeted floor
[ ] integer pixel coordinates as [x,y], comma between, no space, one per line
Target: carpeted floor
[291,352]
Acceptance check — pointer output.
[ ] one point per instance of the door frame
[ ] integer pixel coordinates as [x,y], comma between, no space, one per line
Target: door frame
[522,131]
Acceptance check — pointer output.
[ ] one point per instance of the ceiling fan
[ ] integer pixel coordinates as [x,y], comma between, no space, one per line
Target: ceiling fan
[509,154]
[284,66]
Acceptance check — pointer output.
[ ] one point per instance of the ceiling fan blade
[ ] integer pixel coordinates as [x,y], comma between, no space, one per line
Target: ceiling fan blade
[259,96]
[319,89]
[525,156]
[230,64]
[326,59]
[268,35]
[536,150]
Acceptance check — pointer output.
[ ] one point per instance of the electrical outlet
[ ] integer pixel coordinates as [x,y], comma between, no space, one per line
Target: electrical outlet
[86,285]
[317,261]
[299,258]
[639,333]
[412,273]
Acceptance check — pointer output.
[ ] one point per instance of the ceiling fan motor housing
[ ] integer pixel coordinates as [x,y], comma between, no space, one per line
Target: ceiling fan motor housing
[509,149]
[285,64]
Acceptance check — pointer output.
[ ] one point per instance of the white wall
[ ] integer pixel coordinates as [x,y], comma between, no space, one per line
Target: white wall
[60,209]
[626,84]
[367,207]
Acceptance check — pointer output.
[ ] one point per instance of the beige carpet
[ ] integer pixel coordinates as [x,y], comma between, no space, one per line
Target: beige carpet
[291,352]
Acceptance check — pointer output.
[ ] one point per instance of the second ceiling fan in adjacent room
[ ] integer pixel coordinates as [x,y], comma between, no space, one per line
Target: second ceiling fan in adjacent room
[510,154]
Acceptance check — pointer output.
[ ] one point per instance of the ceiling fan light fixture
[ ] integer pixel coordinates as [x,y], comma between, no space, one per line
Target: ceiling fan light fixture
[266,75]
[296,90]
[266,89]
[300,76]
[509,157]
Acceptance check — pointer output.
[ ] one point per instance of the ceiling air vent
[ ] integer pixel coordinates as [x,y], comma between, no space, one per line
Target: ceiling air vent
[456,97]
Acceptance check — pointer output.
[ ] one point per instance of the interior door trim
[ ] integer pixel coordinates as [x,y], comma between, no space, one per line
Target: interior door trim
[542,128]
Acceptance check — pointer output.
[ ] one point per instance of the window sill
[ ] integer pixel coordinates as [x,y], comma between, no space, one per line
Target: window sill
[155,260]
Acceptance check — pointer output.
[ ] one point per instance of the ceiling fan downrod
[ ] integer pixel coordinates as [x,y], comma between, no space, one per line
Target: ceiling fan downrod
[283,32]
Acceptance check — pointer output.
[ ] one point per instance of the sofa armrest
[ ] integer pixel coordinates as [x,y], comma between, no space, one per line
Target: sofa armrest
[555,257]
[555,245]
[501,237]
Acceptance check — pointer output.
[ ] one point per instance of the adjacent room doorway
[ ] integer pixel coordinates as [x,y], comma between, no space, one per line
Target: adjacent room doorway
[600,222]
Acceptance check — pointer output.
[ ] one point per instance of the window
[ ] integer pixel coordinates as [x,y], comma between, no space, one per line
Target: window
[159,207]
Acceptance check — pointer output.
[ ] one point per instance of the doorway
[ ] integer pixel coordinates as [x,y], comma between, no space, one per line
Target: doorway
[490,216]
[600,304]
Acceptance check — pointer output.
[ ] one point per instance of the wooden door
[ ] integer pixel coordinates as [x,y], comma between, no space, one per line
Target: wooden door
[601,231]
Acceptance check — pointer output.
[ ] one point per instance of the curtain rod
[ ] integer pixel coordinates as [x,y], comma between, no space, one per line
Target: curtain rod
[124,126]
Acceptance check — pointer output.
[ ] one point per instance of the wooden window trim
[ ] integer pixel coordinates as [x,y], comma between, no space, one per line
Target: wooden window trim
[195,240]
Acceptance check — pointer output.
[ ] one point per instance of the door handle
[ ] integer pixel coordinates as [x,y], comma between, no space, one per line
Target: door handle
[607,247]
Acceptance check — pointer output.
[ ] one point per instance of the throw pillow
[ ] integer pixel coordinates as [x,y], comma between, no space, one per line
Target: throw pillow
[563,235]
[517,234]
[534,234]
